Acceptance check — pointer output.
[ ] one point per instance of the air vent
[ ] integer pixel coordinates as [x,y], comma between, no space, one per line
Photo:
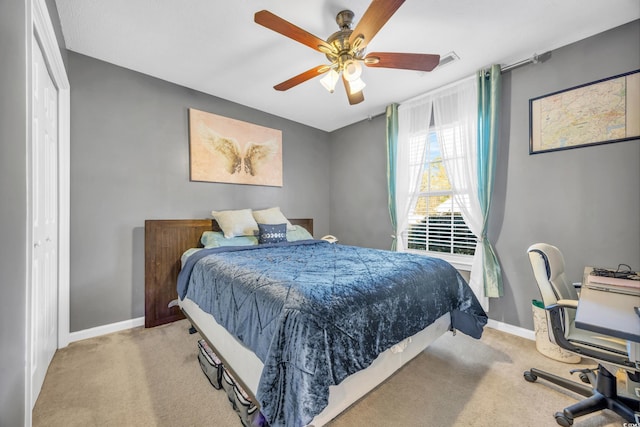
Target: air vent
[448,59]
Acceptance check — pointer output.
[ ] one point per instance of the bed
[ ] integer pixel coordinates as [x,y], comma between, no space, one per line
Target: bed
[312,350]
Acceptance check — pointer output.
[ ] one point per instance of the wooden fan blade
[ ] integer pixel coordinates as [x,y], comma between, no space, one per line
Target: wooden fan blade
[406,61]
[354,98]
[374,18]
[279,25]
[302,77]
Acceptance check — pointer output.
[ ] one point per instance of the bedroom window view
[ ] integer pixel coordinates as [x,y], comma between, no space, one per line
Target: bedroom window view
[435,221]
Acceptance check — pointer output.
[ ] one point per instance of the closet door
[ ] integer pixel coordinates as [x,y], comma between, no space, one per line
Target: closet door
[44,222]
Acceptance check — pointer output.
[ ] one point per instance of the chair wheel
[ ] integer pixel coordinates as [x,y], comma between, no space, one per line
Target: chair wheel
[529,376]
[563,420]
[584,378]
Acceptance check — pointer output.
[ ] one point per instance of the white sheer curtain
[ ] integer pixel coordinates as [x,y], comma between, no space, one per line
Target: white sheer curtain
[414,118]
[455,118]
[455,111]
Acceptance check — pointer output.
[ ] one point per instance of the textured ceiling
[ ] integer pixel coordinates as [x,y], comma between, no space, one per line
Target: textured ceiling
[214,46]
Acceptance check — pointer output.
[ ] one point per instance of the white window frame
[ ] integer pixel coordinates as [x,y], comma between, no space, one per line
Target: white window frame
[459,261]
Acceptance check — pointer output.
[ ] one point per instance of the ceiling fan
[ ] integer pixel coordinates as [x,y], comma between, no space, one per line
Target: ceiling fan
[345,49]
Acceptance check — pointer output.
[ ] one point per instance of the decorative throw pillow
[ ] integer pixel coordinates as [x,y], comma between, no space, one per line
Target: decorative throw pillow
[298,233]
[272,233]
[236,223]
[216,239]
[271,216]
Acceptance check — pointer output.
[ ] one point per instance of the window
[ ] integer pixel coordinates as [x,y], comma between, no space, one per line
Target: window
[435,223]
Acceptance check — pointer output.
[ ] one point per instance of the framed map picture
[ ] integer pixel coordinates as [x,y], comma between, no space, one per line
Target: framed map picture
[232,151]
[600,112]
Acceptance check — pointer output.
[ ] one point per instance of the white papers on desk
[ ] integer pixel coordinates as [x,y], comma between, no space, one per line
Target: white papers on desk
[614,284]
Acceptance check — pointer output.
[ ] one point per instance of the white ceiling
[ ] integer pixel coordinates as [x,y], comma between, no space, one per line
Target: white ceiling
[214,46]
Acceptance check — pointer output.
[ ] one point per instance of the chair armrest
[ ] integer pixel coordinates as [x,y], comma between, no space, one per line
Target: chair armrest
[562,303]
[567,303]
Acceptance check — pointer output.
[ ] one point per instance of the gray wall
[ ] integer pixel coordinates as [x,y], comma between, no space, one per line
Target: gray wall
[130,162]
[13,211]
[585,201]
[359,214]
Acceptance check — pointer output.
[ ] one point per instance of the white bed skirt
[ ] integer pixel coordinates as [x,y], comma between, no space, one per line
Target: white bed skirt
[247,367]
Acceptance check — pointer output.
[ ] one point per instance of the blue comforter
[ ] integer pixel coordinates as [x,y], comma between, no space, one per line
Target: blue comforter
[315,312]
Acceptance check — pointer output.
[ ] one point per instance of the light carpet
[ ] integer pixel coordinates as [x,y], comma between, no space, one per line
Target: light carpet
[151,377]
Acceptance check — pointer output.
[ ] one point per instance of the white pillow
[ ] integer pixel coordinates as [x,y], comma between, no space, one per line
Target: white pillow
[236,223]
[272,216]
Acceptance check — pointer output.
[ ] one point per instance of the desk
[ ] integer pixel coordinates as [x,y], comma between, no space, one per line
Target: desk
[608,313]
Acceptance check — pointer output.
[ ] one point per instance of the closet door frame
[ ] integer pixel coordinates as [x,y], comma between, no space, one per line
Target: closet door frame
[41,31]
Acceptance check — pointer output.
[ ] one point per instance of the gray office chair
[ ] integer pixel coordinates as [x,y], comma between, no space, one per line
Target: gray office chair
[561,300]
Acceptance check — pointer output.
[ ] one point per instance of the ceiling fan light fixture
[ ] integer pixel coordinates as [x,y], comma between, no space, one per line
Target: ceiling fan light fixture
[356,85]
[352,70]
[329,81]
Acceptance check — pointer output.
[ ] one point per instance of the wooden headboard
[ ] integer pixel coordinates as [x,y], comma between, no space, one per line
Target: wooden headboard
[165,240]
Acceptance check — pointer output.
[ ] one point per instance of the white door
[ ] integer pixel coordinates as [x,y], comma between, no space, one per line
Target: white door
[44,183]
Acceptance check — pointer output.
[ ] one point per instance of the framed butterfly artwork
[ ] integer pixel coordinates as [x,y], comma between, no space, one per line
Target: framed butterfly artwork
[226,150]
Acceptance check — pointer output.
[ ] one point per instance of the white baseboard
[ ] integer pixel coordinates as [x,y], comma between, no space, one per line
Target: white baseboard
[134,323]
[106,329]
[510,329]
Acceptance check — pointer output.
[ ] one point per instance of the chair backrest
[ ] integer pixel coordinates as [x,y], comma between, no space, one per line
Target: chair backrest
[548,268]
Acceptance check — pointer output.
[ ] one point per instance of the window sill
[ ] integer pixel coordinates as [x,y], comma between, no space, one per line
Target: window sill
[459,262]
